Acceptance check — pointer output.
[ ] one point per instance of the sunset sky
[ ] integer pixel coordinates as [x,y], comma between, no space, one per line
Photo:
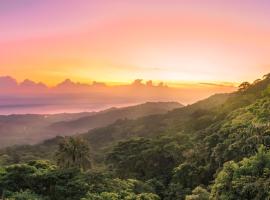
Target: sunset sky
[176,41]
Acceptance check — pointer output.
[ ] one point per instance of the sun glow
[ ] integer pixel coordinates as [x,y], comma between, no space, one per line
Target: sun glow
[111,42]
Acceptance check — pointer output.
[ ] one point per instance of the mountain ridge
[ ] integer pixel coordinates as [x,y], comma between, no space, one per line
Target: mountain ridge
[33,128]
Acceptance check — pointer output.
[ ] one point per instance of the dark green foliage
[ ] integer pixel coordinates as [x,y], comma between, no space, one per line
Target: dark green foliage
[185,178]
[24,195]
[24,177]
[121,196]
[198,193]
[148,158]
[123,190]
[38,181]
[248,179]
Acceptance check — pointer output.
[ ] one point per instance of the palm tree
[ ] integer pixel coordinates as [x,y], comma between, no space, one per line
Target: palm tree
[73,152]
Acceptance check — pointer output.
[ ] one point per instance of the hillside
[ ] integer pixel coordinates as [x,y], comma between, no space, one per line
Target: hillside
[107,117]
[31,129]
[207,150]
[171,122]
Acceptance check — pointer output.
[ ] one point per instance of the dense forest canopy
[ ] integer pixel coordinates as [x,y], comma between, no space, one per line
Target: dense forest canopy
[217,149]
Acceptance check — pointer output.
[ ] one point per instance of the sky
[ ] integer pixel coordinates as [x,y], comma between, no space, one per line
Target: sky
[118,41]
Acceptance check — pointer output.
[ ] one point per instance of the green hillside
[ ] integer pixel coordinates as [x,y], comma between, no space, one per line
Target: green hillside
[103,138]
[217,148]
[109,116]
[34,128]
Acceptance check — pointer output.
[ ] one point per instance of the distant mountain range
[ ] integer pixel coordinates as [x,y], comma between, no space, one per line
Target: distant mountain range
[33,128]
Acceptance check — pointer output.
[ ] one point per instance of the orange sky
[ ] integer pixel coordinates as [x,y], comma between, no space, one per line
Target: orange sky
[119,41]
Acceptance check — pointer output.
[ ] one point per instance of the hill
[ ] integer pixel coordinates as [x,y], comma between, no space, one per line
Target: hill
[107,117]
[104,137]
[207,150]
[31,129]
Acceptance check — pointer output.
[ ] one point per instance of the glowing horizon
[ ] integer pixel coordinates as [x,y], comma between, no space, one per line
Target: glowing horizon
[178,42]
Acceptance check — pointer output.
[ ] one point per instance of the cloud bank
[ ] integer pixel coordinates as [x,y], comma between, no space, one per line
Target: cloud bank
[68,96]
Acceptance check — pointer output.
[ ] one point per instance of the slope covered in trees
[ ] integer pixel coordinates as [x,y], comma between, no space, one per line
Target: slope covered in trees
[215,149]
[34,128]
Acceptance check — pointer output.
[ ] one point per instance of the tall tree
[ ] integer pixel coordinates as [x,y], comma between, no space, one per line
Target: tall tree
[74,152]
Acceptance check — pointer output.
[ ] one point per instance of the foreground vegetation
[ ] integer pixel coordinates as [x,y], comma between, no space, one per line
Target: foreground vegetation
[216,149]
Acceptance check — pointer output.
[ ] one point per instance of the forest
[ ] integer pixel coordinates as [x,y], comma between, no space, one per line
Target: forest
[215,149]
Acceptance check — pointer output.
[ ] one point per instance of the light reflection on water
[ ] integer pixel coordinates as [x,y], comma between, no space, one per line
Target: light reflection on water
[53,109]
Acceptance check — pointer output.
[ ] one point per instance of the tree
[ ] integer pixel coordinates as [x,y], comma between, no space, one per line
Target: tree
[185,177]
[117,196]
[198,193]
[244,86]
[266,76]
[24,195]
[64,184]
[247,179]
[256,81]
[148,158]
[24,181]
[17,177]
[73,152]
[119,189]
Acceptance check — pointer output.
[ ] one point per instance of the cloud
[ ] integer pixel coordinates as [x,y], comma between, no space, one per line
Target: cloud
[7,82]
[218,84]
[32,85]
[31,96]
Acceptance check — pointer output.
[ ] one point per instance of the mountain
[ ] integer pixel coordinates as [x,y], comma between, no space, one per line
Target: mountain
[148,126]
[30,128]
[217,148]
[107,117]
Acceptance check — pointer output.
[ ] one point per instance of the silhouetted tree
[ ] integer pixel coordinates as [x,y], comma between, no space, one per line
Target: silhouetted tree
[244,86]
[266,76]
